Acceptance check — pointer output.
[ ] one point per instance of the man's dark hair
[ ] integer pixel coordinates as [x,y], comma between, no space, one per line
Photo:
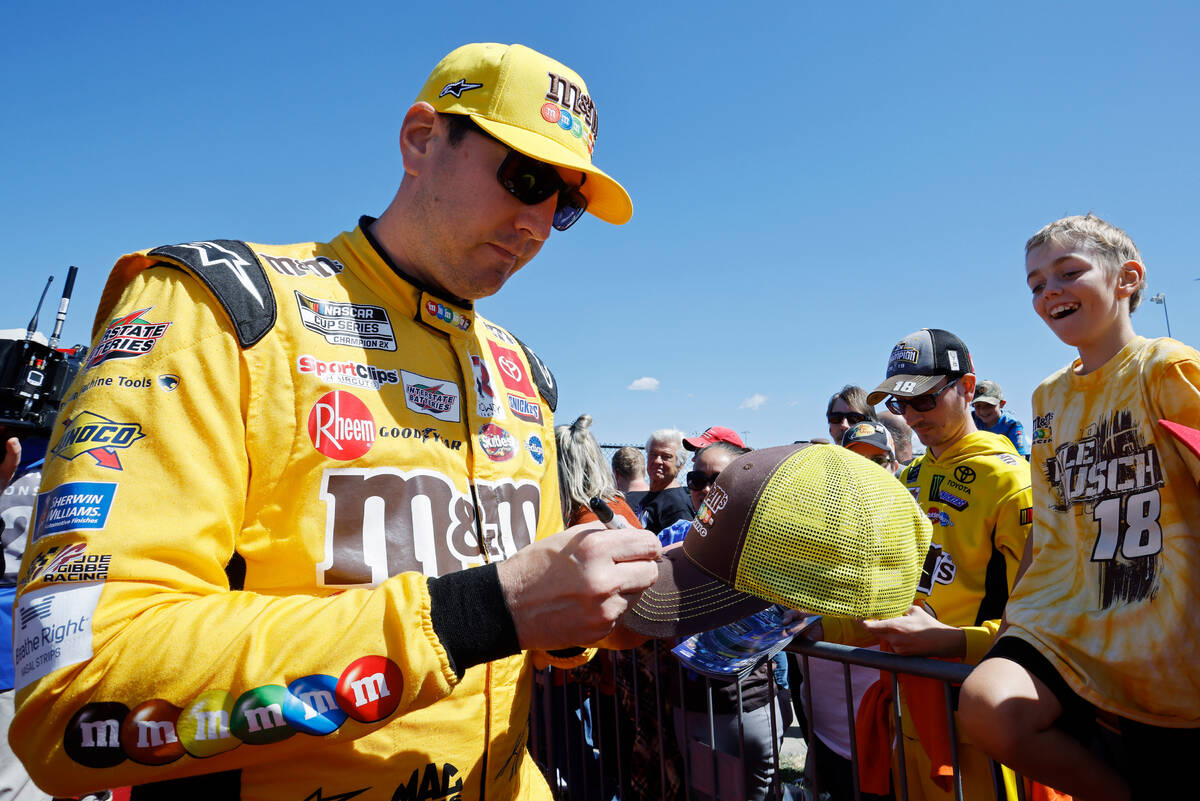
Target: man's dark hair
[724,447]
[855,397]
[457,126]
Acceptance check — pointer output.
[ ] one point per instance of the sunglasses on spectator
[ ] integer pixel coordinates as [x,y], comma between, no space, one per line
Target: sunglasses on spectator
[921,403]
[881,459]
[698,480]
[853,418]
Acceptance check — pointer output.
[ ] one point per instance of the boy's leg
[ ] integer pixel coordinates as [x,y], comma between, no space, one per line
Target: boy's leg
[1159,761]
[1010,712]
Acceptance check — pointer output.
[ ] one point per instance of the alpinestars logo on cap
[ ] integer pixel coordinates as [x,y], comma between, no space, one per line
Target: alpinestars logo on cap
[458,87]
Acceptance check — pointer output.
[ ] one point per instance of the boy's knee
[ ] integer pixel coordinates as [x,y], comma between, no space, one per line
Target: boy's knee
[989,717]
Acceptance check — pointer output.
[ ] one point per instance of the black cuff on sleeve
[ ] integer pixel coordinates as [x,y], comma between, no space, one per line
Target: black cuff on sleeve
[471,618]
[566,653]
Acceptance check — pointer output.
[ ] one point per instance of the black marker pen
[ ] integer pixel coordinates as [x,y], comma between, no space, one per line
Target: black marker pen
[605,514]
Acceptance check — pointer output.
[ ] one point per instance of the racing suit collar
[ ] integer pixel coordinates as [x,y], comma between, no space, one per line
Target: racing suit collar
[364,223]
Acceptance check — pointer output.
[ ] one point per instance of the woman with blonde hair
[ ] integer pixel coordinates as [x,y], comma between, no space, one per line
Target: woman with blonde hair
[583,474]
[583,699]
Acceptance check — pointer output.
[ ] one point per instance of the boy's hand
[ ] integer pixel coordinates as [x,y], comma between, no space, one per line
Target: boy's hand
[918,633]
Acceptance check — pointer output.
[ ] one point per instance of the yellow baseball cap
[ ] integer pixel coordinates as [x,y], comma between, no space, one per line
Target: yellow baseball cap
[533,104]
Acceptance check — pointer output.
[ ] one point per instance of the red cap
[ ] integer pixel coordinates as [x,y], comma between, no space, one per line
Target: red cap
[713,434]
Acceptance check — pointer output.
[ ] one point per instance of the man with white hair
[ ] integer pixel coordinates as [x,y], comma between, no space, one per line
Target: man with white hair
[666,501]
[901,436]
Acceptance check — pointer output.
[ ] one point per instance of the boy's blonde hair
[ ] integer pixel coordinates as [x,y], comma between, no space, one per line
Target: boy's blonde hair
[1108,243]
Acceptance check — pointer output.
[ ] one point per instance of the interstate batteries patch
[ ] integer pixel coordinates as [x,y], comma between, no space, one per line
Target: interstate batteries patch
[128,336]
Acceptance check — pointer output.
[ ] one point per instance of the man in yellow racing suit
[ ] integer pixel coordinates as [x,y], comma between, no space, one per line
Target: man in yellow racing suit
[296,531]
[975,489]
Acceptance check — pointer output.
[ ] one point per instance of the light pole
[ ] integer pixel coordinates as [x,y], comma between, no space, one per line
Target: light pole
[1161,300]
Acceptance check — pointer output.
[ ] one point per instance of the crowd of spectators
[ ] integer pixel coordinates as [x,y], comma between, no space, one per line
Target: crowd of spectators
[407,655]
[978,502]
[1075,636]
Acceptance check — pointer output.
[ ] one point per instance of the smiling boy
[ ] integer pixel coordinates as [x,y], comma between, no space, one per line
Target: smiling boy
[1092,688]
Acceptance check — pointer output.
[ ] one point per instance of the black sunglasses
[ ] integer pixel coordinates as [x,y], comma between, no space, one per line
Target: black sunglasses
[531,182]
[698,480]
[853,418]
[921,403]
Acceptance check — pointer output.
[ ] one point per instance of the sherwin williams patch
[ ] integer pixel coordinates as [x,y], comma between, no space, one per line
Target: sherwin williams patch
[73,506]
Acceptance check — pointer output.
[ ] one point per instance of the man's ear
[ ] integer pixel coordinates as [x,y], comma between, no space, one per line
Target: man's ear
[967,382]
[1003,403]
[1131,276]
[417,136]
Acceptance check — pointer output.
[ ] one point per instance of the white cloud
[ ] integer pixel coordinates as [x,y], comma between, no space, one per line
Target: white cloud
[753,402]
[644,384]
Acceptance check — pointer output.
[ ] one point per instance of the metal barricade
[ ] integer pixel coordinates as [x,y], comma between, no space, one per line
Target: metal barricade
[612,729]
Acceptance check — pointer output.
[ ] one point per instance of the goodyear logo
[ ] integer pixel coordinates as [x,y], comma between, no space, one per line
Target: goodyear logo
[98,437]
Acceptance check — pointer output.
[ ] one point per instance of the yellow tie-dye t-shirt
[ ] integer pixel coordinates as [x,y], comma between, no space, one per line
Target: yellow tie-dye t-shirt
[1112,595]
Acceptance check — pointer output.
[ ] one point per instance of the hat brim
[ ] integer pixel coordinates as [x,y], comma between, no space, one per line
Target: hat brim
[686,600]
[696,443]
[921,384]
[987,400]
[606,198]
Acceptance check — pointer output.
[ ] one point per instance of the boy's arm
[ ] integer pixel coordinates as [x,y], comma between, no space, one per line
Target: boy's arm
[1011,537]
[1026,559]
[1176,395]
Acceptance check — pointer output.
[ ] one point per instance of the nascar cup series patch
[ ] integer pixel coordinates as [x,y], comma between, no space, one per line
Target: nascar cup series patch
[357,325]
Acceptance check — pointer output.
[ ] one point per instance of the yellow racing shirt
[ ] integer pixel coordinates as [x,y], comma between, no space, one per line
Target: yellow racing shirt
[265,538]
[1112,595]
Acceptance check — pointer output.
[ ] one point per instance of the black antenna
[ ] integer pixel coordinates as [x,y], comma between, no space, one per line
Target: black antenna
[62,304]
[29,332]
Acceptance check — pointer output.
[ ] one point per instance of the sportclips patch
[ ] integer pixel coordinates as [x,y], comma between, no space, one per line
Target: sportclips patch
[128,337]
[358,325]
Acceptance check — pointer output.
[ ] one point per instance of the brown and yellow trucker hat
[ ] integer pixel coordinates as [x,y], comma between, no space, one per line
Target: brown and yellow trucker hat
[533,104]
[811,527]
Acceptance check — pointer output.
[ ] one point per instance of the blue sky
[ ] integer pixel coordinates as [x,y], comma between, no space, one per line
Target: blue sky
[811,181]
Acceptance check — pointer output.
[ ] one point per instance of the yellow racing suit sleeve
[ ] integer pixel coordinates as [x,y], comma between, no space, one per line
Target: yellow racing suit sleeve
[151,486]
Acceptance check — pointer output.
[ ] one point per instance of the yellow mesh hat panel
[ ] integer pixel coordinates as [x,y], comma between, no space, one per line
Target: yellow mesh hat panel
[833,533]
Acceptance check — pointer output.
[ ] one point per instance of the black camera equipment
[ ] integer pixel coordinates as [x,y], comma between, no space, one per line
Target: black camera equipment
[34,377]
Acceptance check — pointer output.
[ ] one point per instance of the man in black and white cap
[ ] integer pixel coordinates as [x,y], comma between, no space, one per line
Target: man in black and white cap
[975,490]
